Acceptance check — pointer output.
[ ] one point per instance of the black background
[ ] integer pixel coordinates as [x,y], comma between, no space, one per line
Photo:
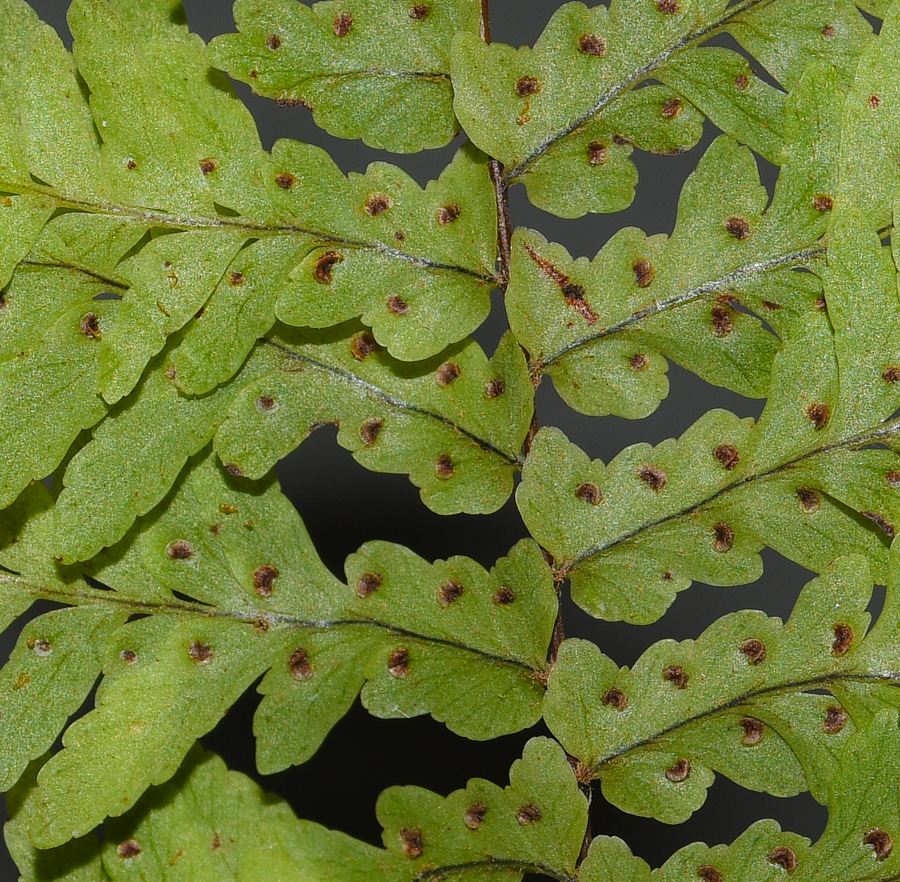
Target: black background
[343,505]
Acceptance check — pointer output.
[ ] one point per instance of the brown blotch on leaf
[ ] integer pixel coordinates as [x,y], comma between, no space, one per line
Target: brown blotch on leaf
[235,279]
[411,842]
[273,42]
[131,165]
[881,843]
[754,649]
[891,374]
[738,227]
[420,10]
[90,326]
[299,664]
[285,180]
[368,583]
[728,455]
[450,592]
[835,720]
[573,294]
[741,82]
[215,529]
[784,857]
[526,86]
[528,814]
[722,321]
[41,647]
[503,596]
[264,577]
[843,639]
[644,271]
[810,500]
[724,538]
[615,697]
[370,430]
[377,203]
[828,32]
[208,165]
[253,74]
[448,213]
[179,550]
[598,153]
[820,304]
[823,202]
[885,525]
[589,492]
[638,362]
[397,305]
[129,656]
[362,345]
[323,272]
[670,6]
[592,44]
[771,305]
[226,508]
[753,731]
[709,874]
[398,663]
[443,467]
[342,24]
[265,403]
[818,413]
[681,771]
[128,849]
[672,108]
[874,102]
[893,478]
[447,373]
[676,675]
[667,575]
[235,470]
[653,477]
[200,652]
[3,302]
[494,388]
[621,140]
[474,815]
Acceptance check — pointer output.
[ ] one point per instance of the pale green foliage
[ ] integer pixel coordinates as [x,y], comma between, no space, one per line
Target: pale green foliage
[180,309]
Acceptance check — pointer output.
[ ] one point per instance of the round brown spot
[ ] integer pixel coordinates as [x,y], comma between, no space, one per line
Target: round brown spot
[835,720]
[810,500]
[285,180]
[128,849]
[754,649]
[41,647]
[377,203]
[362,345]
[368,583]
[208,165]
[728,455]
[273,42]
[264,577]
[448,213]
[370,430]
[891,374]
[411,842]
[234,469]
[771,305]
[299,664]
[589,492]
[503,596]
[818,414]
[874,102]
[783,857]
[179,549]
[722,321]
[823,202]
[130,164]
[129,656]
[342,24]
[738,227]
[443,467]
[676,675]
[447,373]
[323,271]
[235,279]
[644,271]
[528,814]
[474,815]
[90,326]
[266,403]
[669,6]
[526,86]
[753,731]
[397,305]
[893,478]
[881,843]
[597,152]
[672,108]
[398,663]
[741,82]
[592,44]
[709,874]
[200,652]
[450,592]
[615,697]
[494,388]
[653,477]
[419,11]
[828,32]
[638,362]
[681,771]
[843,639]
[724,538]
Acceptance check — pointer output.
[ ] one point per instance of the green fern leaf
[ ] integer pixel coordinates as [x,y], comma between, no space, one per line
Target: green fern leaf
[455,423]
[377,70]
[402,631]
[557,134]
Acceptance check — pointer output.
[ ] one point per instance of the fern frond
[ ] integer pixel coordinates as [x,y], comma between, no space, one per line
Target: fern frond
[414,637]
[378,70]
[561,134]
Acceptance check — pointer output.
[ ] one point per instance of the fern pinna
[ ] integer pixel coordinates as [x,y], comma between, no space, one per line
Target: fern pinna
[181,308]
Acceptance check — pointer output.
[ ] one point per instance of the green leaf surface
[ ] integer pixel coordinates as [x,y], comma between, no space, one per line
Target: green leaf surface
[377,69]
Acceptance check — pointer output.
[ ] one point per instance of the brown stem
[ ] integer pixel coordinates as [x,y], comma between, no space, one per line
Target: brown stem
[504,224]
[485,22]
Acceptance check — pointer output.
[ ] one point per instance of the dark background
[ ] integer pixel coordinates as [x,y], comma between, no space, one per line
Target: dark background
[363,755]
